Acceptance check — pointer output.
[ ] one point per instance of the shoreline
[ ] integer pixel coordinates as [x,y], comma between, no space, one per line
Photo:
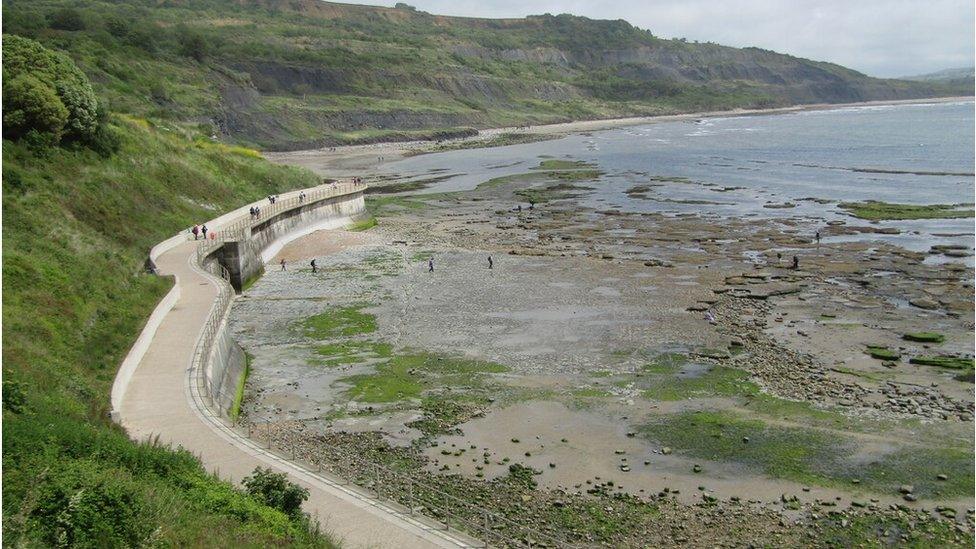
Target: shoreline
[353,160]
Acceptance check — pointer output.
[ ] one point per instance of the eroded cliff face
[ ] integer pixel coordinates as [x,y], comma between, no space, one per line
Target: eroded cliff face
[289,74]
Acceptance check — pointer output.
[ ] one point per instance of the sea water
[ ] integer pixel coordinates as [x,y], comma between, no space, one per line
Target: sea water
[750,166]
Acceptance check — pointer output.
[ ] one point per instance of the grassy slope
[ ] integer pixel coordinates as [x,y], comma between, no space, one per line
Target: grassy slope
[293,74]
[76,230]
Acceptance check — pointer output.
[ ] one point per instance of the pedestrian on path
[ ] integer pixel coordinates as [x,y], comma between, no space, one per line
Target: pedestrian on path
[314,268]
[796,263]
[283,265]
[490,263]
[196,232]
[818,239]
[430,265]
[204,231]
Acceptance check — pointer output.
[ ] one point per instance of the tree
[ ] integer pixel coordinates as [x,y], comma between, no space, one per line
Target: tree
[31,105]
[275,490]
[53,70]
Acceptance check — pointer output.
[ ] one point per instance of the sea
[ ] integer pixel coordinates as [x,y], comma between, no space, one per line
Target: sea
[798,165]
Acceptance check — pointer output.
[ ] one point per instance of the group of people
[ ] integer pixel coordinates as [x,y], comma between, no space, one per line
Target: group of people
[430,264]
[255,212]
[315,267]
[201,230]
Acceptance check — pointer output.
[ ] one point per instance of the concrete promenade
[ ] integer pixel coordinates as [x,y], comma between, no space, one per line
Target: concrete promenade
[159,401]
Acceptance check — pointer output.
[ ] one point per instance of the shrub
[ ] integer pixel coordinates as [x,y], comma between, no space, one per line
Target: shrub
[26,57]
[29,104]
[193,44]
[275,490]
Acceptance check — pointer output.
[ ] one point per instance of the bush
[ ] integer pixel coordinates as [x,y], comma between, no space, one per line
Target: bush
[29,104]
[23,57]
[82,506]
[275,490]
[193,44]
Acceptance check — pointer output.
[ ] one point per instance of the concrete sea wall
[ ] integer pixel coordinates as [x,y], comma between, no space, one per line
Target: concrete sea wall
[244,261]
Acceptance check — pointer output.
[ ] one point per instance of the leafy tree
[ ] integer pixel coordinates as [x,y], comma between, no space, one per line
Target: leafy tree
[31,105]
[275,490]
[56,71]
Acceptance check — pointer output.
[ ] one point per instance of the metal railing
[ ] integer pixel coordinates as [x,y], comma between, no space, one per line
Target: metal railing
[239,228]
[393,487]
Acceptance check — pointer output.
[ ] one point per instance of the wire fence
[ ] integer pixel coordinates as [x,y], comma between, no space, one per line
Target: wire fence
[395,488]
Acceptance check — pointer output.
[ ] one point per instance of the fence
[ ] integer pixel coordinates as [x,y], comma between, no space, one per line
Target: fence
[238,229]
[371,479]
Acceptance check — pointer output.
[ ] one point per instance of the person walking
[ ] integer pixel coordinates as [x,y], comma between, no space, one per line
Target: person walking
[490,263]
[204,231]
[818,239]
[196,232]
[430,265]
[283,265]
[796,263]
[314,268]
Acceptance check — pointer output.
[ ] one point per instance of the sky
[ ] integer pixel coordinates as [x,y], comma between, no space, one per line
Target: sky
[884,38]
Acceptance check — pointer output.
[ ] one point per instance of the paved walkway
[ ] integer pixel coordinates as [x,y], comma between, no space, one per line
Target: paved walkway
[158,403]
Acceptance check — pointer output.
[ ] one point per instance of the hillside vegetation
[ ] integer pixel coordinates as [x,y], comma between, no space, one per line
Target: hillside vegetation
[79,215]
[294,74]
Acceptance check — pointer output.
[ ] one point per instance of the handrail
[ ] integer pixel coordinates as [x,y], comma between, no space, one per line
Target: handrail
[349,466]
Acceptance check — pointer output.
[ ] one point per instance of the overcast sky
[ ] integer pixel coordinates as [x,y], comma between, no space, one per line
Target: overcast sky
[877,37]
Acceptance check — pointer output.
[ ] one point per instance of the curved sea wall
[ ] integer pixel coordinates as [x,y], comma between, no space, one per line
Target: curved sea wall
[244,257]
[241,259]
[238,255]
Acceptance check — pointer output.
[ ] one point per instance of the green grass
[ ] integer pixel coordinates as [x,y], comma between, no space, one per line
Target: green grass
[660,380]
[563,165]
[514,178]
[877,211]
[812,456]
[924,337]
[406,376]
[76,231]
[882,353]
[574,175]
[235,409]
[558,191]
[717,381]
[352,352]
[363,224]
[944,361]
[877,532]
[339,322]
